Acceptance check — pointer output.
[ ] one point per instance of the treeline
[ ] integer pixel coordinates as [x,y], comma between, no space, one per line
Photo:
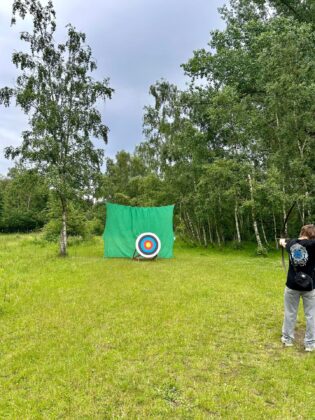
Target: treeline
[234,150]
[23,201]
[27,204]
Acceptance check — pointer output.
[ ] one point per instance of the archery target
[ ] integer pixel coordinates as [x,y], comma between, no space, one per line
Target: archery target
[148,245]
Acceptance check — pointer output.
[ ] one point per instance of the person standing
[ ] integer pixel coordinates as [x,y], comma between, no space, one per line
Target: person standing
[300,284]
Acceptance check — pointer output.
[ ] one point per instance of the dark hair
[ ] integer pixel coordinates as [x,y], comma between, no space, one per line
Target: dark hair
[309,231]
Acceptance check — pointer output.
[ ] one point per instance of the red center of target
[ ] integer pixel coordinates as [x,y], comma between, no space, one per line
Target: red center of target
[148,245]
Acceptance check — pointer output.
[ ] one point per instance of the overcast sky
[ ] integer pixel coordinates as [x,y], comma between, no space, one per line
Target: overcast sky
[135,43]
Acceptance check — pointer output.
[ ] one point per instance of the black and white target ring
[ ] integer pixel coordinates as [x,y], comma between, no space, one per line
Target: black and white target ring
[148,245]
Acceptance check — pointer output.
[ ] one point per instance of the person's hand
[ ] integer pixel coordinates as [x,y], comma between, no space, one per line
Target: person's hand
[282,242]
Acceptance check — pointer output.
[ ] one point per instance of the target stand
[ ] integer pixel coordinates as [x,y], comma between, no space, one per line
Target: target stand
[147,247]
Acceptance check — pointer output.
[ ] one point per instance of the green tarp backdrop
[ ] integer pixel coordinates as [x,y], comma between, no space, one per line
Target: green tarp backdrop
[125,223]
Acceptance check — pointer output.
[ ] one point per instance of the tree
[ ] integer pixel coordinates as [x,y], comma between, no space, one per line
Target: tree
[301,10]
[56,90]
[3,184]
[262,68]
[25,199]
[236,147]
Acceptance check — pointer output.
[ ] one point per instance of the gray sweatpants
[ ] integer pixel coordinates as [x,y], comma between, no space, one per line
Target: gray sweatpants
[291,306]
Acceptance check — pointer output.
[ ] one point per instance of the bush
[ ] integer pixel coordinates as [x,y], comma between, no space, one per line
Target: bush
[76,226]
[51,230]
[261,251]
[237,245]
[95,226]
[21,221]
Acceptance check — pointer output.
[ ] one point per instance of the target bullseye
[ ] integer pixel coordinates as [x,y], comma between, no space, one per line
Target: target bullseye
[148,245]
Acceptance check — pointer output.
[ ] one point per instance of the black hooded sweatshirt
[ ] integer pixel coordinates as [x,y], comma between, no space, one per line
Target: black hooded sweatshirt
[309,268]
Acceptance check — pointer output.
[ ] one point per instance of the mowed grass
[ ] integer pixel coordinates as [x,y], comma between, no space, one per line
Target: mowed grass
[194,337]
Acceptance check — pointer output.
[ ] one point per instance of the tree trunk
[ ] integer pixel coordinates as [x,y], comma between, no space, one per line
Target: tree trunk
[284,217]
[198,230]
[63,233]
[258,240]
[217,232]
[308,207]
[264,233]
[275,229]
[257,233]
[204,236]
[187,227]
[194,237]
[301,212]
[210,233]
[28,202]
[237,225]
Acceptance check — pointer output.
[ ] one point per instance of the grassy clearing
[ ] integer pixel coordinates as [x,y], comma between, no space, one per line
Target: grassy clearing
[194,337]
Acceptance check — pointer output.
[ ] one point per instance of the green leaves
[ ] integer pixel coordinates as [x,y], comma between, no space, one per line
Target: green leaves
[56,90]
[250,105]
[5,95]
[24,198]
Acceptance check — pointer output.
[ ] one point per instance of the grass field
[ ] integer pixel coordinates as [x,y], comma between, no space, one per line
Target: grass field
[194,337]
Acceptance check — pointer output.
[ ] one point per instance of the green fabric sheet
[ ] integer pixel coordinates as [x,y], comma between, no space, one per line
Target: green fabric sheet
[125,223]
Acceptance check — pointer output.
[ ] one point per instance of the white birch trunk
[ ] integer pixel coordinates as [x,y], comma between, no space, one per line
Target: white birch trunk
[264,233]
[237,225]
[191,227]
[275,229]
[255,226]
[204,236]
[63,233]
[210,232]
[217,233]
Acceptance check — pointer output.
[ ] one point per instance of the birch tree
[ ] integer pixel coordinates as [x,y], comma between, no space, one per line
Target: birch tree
[57,92]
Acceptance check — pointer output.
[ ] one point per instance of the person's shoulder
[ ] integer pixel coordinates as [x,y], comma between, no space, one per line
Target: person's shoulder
[305,241]
[290,242]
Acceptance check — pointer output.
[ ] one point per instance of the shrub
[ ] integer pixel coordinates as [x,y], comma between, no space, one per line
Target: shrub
[95,226]
[261,251]
[76,226]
